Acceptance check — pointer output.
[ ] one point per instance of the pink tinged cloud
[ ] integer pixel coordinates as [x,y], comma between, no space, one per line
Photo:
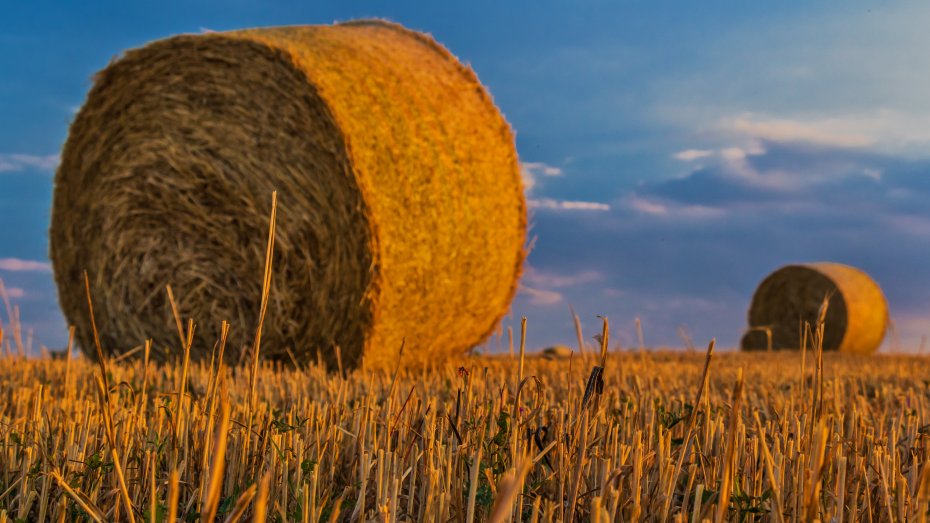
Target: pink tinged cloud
[671,209]
[542,296]
[15,293]
[689,155]
[18,265]
[831,132]
[542,283]
[647,207]
[550,279]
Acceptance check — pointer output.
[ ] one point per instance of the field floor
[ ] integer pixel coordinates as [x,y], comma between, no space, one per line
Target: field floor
[766,441]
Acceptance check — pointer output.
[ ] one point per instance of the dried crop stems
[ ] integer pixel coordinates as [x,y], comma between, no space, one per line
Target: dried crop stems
[401,207]
[670,438]
[792,296]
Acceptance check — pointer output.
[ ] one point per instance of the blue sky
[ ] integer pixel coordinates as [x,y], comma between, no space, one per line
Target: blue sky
[675,152]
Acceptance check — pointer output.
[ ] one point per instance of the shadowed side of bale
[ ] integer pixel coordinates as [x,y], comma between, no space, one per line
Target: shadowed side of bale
[401,214]
[856,317]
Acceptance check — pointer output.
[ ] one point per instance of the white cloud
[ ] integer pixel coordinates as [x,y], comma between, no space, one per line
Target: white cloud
[566,205]
[551,279]
[22,162]
[689,155]
[532,171]
[843,77]
[18,265]
[751,147]
[647,207]
[543,169]
[735,162]
[831,132]
[541,296]
[542,284]
[670,209]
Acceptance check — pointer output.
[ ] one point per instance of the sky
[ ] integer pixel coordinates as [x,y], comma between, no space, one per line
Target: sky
[674,153]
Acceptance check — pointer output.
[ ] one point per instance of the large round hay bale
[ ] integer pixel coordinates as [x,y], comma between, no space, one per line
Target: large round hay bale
[401,211]
[857,314]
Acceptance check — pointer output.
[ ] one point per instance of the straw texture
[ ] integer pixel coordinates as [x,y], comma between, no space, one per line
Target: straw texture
[401,212]
[856,319]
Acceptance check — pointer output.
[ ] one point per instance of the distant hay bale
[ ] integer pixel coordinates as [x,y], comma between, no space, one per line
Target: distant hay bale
[557,352]
[401,211]
[857,314]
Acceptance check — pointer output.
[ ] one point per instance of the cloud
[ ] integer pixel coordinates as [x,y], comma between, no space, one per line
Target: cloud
[22,162]
[831,132]
[736,163]
[15,292]
[539,285]
[881,130]
[914,226]
[18,265]
[551,204]
[769,167]
[670,209]
[845,77]
[541,296]
[552,279]
[689,155]
[539,168]
[532,171]
[691,249]
[647,207]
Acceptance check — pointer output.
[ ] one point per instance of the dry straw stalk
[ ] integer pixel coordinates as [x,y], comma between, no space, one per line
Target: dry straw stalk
[354,448]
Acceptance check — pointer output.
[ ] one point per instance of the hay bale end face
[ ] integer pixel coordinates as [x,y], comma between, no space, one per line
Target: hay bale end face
[401,211]
[857,315]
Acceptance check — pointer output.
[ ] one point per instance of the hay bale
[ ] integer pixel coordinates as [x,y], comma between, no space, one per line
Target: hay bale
[557,352]
[401,210]
[856,316]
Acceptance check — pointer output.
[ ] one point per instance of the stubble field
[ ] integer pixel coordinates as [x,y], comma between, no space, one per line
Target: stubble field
[770,437]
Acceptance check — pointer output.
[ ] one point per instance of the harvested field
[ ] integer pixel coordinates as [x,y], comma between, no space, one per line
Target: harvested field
[841,438]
